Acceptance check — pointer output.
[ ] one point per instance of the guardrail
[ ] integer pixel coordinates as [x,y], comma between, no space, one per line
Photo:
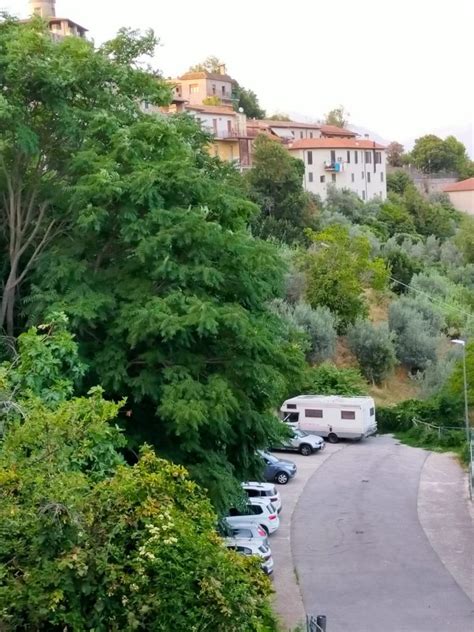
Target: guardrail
[316,624]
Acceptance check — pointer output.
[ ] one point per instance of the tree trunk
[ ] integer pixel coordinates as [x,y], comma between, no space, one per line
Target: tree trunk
[8,300]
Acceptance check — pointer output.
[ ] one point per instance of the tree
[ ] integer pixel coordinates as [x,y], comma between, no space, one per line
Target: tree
[432,154]
[247,100]
[166,289]
[51,93]
[338,268]
[395,154]
[398,181]
[276,184]
[328,379]
[279,116]
[91,542]
[373,346]
[210,64]
[338,117]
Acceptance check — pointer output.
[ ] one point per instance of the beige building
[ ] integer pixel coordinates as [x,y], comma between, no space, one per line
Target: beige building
[461,195]
[59,27]
[346,163]
[196,87]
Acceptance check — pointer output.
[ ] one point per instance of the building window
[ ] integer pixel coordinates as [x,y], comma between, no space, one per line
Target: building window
[194,88]
[368,158]
[378,158]
[381,176]
[362,175]
[310,176]
[310,157]
[348,414]
[213,88]
[368,176]
[348,156]
[352,177]
[301,135]
[311,134]
[363,195]
[333,155]
[322,179]
[214,125]
[333,177]
[223,91]
[318,414]
[356,157]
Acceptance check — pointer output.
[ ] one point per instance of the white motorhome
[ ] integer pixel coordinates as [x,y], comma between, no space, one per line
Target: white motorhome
[331,416]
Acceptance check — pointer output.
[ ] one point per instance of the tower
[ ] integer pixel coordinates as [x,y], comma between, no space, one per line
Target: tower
[43,8]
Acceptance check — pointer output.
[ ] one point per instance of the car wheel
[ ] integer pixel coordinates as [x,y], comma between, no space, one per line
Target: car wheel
[306,449]
[333,438]
[265,529]
[282,478]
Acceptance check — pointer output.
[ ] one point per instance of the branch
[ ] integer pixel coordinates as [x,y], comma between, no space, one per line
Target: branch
[35,254]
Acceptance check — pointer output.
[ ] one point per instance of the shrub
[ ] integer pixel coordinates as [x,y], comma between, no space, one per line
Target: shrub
[415,345]
[327,379]
[320,326]
[374,349]
[398,181]
[402,268]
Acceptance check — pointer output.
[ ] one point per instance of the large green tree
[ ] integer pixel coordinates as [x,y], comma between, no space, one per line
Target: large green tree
[163,284]
[432,154]
[276,185]
[89,542]
[53,94]
[338,116]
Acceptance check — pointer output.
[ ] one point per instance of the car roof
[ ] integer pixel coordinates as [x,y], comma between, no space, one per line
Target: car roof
[335,400]
[252,544]
[255,500]
[258,485]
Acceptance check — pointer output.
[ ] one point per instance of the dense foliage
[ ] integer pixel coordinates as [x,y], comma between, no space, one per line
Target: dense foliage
[373,346]
[88,542]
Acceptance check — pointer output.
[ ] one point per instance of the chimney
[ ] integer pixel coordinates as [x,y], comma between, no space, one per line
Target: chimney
[43,8]
[222,69]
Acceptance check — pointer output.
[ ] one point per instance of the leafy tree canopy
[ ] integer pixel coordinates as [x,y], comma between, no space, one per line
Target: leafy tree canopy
[432,154]
[210,64]
[279,116]
[395,154]
[90,542]
[163,284]
[338,117]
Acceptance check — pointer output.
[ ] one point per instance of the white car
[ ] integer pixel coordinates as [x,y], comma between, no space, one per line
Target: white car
[266,491]
[257,511]
[302,442]
[252,547]
[245,531]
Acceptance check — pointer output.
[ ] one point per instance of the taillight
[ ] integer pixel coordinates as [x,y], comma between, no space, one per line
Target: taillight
[272,517]
[274,500]
[261,531]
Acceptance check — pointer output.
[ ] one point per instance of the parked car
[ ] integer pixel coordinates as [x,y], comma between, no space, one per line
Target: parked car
[263,490]
[277,470]
[302,442]
[245,531]
[252,547]
[257,511]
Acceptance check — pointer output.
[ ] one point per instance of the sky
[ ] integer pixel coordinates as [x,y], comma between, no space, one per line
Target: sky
[402,68]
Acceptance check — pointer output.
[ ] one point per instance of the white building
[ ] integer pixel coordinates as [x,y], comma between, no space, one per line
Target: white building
[346,163]
[461,195]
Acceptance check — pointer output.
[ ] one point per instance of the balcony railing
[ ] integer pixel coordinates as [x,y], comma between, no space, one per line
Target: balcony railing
[335,167]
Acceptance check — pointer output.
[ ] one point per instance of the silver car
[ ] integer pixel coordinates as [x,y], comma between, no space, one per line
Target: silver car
[252,547]
[246,531]
[302,442]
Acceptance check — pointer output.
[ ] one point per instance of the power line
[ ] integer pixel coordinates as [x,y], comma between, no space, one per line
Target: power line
[433,300]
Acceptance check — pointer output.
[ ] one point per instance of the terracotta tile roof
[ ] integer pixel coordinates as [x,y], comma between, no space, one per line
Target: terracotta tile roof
[215,76]
[464,185]
[212,109]
[334,143]
[263,123]
[333,130]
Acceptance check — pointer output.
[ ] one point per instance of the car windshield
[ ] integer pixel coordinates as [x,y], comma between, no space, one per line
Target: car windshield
[300,434]
[269,457]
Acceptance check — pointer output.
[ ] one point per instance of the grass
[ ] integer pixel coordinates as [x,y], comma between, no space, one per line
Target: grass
[430,441]
[397,388]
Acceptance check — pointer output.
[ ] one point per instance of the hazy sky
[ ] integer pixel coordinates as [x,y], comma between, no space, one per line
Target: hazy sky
[402,68]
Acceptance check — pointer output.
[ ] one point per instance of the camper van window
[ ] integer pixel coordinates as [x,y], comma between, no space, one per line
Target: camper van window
[348,414]
[292,418]
[292,406]
[372,412]
[314,413]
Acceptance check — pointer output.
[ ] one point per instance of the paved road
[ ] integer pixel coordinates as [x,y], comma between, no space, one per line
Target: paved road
[360,552]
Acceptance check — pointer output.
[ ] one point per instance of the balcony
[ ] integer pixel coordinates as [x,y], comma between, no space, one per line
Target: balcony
[334,167]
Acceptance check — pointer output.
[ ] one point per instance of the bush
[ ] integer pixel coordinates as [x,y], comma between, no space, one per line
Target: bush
[409,308]
[402,268]
[374,349]
[327,379]
[320,326]
[398,181]
[415,346]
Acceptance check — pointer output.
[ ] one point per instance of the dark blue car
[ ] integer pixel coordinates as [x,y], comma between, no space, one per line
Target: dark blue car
[276,470]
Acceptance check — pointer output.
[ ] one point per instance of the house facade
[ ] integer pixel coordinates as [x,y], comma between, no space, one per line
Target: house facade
[59,27]
[346,163]
[196,87]
[461,195]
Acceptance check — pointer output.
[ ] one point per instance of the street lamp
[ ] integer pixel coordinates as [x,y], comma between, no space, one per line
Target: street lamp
[462,343]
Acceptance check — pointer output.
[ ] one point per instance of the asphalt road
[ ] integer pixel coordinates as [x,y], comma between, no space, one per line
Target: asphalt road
[361,555]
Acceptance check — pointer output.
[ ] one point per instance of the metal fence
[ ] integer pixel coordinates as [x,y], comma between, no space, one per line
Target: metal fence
[316,624]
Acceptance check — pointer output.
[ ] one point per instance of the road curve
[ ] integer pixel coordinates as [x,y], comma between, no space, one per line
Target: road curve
[361,555]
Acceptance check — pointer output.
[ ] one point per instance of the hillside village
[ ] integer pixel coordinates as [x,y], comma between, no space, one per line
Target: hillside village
[236,354]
